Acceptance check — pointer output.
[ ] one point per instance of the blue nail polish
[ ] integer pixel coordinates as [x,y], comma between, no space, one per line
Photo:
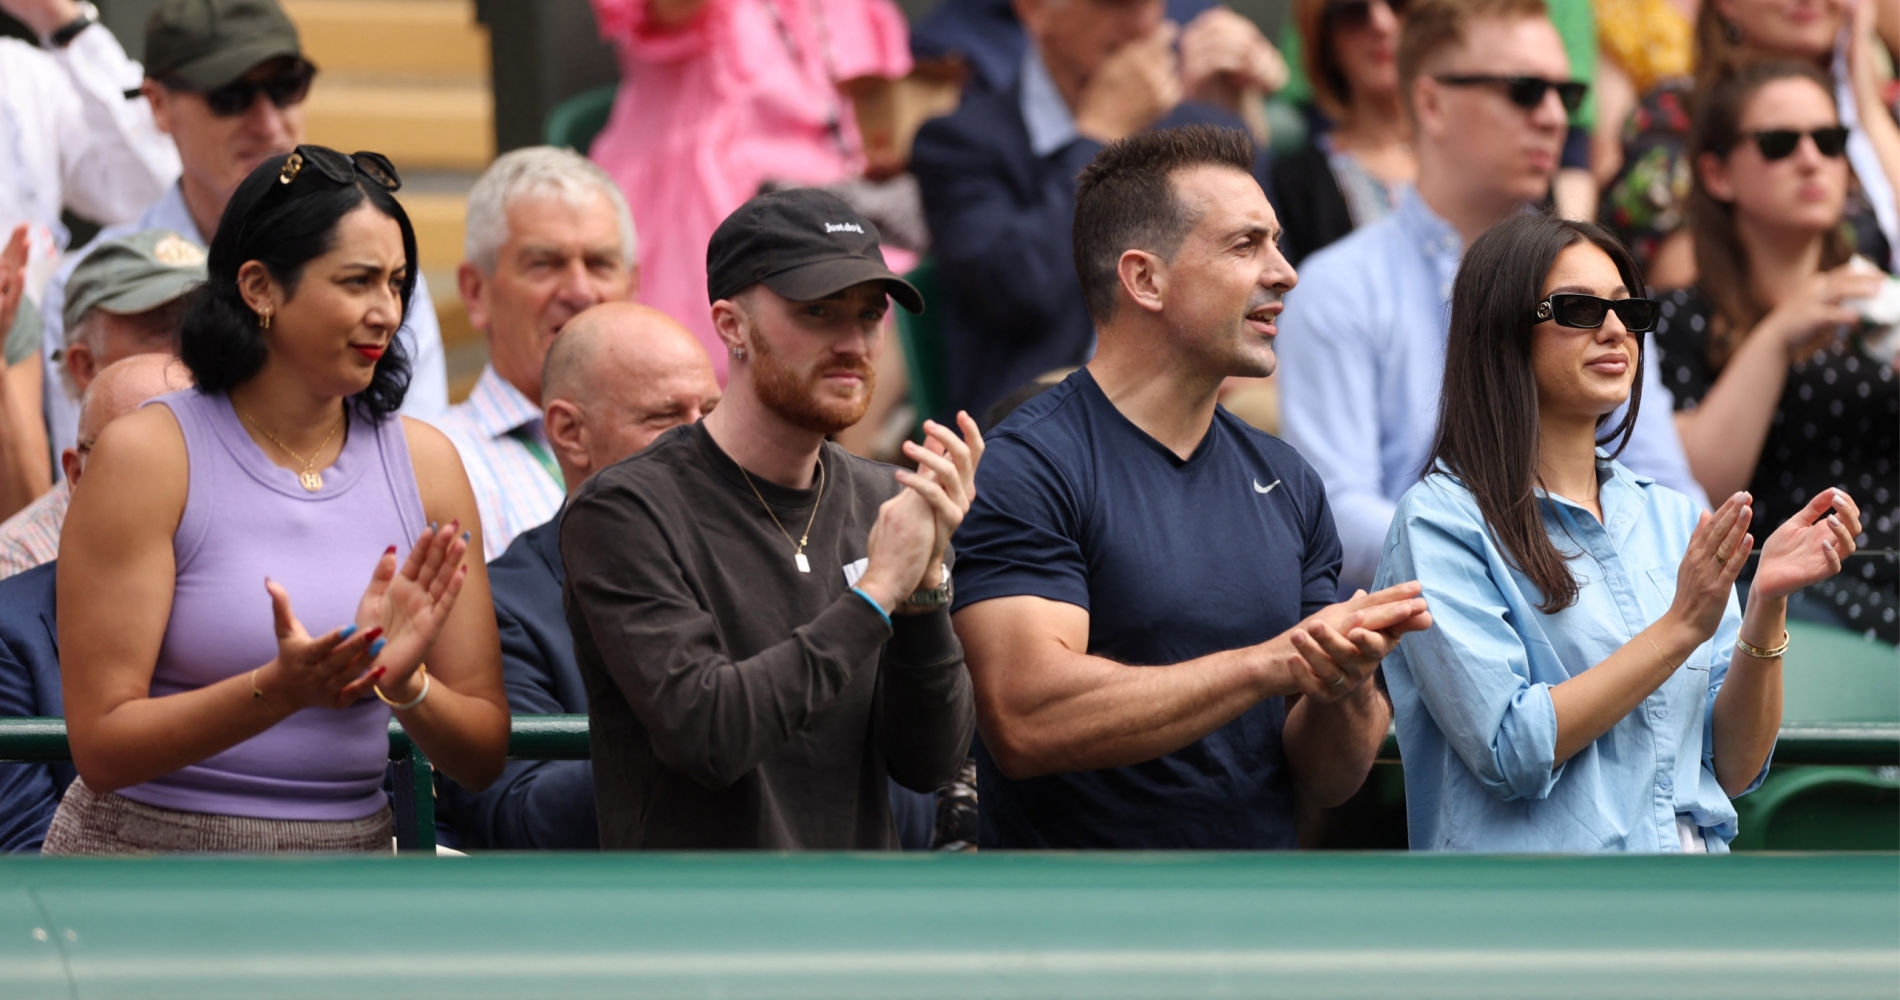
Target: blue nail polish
[466,536]
[348,630]
[377,647]
[431,525]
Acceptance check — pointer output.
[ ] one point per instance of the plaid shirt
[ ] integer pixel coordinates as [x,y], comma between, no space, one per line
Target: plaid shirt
[514,490]
[31,537]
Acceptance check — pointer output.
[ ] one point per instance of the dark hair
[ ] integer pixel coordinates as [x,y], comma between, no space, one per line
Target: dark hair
[1332,91]
[1125,200]
[284,227]
[1487,413]
[1721,260]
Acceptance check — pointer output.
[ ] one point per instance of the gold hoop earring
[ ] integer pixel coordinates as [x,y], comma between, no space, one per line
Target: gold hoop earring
[263,320]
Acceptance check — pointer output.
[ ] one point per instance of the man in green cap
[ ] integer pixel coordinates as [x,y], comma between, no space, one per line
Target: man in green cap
[125,299]
[226,80]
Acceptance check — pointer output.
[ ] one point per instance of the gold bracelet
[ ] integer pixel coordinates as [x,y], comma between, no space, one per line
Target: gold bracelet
[1658,649]
[421,668]
[256,694]
[1770,653]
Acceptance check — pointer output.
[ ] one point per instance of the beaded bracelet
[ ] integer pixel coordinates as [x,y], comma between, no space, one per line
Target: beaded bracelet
[423,669]
[1770,653]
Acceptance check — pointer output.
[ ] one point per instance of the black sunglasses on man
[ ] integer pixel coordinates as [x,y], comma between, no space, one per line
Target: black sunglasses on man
[284,88]
[1526,92]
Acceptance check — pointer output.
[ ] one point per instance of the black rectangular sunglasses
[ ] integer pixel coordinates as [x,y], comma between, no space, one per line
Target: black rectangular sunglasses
[338,168]
[1779,143]
[1586,312]
[282,89]
[1526,92]
[1358,13]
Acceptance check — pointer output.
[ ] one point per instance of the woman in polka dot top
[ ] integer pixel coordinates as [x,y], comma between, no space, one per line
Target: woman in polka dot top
[1774,393]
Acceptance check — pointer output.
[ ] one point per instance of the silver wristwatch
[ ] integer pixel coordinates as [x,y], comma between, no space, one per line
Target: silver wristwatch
[934,597]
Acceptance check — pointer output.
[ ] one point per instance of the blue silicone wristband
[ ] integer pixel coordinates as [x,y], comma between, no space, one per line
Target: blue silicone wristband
[879,608]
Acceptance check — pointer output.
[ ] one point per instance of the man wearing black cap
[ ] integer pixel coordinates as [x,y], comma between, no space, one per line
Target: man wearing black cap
[227,80]
[759,616]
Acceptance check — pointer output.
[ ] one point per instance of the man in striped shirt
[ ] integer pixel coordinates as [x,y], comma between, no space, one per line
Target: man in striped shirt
[549,236]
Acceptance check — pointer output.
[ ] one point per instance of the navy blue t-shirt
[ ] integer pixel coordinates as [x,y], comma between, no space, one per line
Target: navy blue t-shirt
[1173,560]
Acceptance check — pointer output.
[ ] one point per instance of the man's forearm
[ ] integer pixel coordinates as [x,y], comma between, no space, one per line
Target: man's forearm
[1331,747]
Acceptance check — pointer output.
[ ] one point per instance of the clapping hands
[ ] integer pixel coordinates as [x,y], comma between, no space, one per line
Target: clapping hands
[410,605]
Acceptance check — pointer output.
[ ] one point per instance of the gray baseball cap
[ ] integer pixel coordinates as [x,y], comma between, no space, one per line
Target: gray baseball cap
[205,44]
[133,274]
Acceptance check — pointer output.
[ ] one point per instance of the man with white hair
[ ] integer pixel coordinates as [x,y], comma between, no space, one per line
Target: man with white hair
[549,236]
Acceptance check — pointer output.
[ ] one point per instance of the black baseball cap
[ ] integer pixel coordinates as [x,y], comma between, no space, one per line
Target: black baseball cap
[803,243]
[205,44]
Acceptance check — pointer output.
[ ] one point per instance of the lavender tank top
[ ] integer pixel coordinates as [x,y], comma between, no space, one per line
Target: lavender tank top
[246,519]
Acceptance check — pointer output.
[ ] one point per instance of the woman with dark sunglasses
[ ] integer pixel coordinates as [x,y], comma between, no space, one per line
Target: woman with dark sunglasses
[1648,182]
[1355,172]
[204,715]
[1590,683]
[1773,391]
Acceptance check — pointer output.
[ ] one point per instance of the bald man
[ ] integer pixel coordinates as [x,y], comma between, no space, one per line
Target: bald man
[31,536]
[617,376]
[29,646]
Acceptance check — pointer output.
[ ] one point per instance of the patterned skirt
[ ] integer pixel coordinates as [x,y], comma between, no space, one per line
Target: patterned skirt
[90,823]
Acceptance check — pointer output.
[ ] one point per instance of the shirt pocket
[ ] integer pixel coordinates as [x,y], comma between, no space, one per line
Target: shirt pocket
[1659,591]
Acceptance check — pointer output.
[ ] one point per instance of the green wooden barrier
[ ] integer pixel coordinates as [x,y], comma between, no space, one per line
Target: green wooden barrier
[952,926]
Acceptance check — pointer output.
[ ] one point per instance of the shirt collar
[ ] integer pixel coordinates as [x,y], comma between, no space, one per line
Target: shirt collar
[1045,114]
[171,212]
[498,409]
[1621,494]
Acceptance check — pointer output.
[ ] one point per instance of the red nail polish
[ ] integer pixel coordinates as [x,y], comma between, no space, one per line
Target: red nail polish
[378,673]
[373,634]
[390,551]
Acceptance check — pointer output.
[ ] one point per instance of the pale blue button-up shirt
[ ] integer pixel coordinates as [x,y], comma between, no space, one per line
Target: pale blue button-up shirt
[1362,360]
[1471,695]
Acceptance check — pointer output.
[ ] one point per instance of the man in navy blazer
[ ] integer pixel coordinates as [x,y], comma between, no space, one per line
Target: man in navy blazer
[29,686]
[617,376]
[998,175]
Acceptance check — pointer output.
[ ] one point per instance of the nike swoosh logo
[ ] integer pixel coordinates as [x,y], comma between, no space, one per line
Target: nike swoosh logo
[1257,488]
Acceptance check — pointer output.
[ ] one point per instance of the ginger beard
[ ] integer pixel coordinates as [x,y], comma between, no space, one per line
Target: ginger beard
[804,399]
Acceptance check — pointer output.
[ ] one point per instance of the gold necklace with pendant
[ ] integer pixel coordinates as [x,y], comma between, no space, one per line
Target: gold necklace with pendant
[798,547]
[309,478]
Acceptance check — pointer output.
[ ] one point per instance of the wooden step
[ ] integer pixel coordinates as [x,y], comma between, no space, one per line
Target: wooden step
[393,39]
[440,219]
[417,126]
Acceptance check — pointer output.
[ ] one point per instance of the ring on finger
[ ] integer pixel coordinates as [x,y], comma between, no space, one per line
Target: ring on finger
[1339,682]
[1721,559]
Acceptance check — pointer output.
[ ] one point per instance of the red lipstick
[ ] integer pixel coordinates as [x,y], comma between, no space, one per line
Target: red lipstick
[372,353]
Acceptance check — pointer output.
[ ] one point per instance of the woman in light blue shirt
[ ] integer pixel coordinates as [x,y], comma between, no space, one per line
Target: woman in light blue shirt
[1591,683]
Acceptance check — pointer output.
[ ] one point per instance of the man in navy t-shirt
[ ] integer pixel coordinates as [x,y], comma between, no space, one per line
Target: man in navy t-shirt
[1144,581]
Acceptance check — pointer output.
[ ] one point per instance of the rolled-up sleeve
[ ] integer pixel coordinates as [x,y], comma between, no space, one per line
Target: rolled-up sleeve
[1472,669]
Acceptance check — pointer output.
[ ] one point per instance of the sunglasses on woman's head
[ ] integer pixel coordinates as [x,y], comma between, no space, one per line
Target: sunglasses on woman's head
[340,169]
[1586,312]
[284,89]
[1526,92]
[1779,143]
[1358,13]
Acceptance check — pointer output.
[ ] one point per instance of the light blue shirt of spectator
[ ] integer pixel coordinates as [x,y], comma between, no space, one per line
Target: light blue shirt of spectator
[1362,358]
[1471,695]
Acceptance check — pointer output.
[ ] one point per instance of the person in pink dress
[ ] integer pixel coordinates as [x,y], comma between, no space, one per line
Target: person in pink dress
[720,96]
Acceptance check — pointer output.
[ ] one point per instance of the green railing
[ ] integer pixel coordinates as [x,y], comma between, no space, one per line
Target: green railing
[952,926]
[564,737]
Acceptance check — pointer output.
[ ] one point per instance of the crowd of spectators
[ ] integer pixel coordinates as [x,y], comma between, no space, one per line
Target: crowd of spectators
[1508,514]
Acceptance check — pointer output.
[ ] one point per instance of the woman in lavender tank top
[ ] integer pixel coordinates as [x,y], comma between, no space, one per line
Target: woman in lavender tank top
[204,713]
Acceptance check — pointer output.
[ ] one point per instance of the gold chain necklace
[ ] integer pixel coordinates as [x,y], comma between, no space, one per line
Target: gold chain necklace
[798,551]
[310,478]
